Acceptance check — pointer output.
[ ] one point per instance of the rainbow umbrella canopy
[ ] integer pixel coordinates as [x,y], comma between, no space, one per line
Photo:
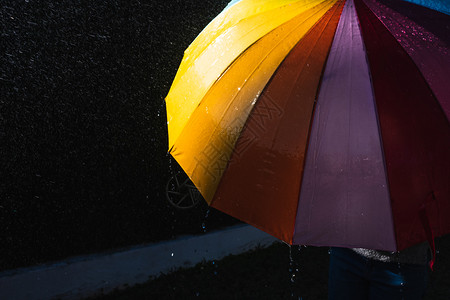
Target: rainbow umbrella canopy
[321,122]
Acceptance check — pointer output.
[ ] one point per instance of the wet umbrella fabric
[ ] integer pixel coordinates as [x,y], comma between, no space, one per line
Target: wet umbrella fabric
[320,122]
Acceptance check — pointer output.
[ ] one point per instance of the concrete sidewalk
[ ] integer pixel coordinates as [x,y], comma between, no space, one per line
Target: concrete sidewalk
[85,276]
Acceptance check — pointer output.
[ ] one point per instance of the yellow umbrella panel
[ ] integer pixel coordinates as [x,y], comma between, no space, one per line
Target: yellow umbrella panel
[206,61]
[205,142]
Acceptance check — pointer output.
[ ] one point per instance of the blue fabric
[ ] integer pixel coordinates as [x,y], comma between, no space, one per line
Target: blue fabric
[354,277]
[439,5]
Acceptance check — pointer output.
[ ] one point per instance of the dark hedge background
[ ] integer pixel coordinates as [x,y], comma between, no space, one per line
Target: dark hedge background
[83,163]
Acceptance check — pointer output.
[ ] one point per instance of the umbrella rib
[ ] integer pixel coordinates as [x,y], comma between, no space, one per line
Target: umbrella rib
[207,83]
[259,64]
[313,110]
[255,14]
[246,80]
[346,171]
[272,16]
[408,30]
[299,73]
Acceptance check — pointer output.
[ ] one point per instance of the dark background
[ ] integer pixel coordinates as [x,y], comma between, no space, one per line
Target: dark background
[83,137]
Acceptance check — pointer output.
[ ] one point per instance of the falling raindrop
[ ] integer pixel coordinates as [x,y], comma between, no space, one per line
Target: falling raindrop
[170,164]
[173,223]
[294,271]
[402,283]
[204,222]
[215,265]
[161,111]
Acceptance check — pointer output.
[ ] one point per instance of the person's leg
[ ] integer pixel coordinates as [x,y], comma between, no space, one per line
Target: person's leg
[347,275]
[394,281]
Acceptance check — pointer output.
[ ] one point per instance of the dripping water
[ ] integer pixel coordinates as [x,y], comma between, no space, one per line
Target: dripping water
[215,265]
[294,271]
[402,281]
[204,221]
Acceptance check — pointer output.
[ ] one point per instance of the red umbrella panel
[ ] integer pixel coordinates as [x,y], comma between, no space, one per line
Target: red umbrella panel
[344,141]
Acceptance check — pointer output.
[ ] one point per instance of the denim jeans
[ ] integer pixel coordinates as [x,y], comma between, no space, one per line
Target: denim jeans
[354,277]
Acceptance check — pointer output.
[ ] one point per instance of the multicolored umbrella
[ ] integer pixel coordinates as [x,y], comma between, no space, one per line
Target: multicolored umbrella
[321,122]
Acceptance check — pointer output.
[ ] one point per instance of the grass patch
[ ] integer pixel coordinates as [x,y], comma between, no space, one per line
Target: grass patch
[264,274]
[258,274]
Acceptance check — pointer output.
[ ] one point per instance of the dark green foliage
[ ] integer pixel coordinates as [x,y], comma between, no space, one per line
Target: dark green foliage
[83,141]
